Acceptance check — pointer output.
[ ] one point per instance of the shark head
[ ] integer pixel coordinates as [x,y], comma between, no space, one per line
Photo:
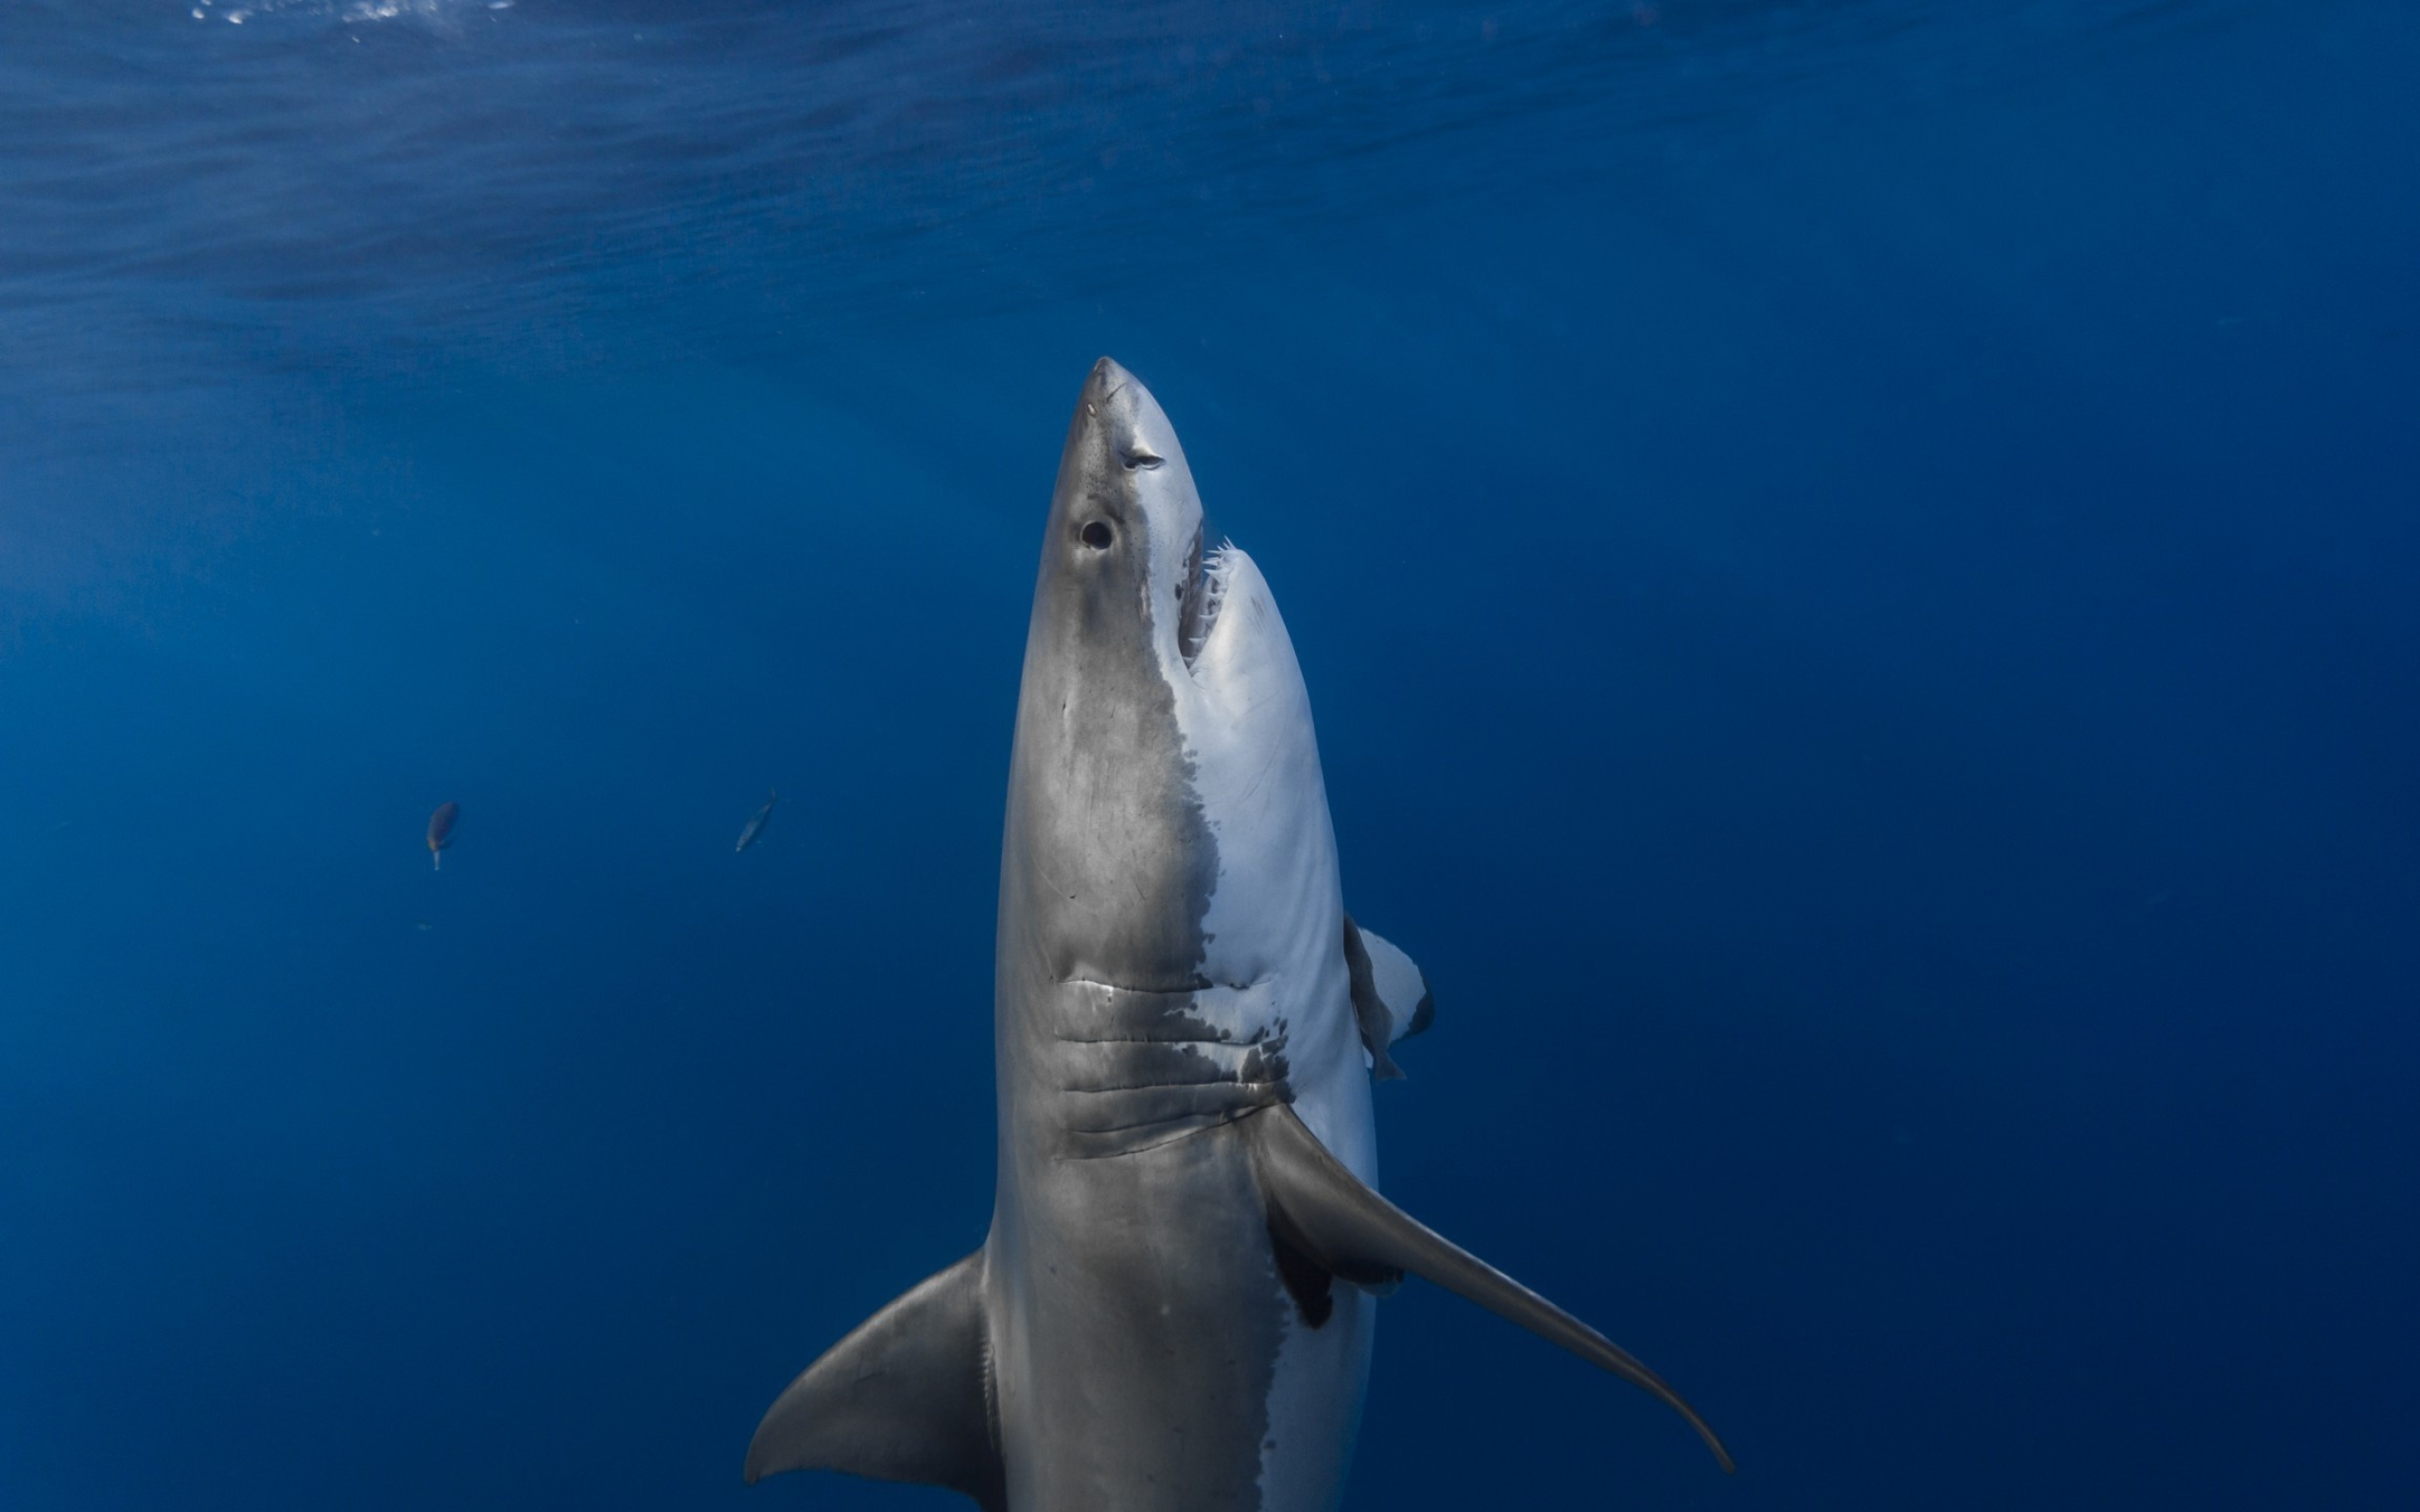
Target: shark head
[1124,546]
[1166,761]
[1130,516]
[1106,864]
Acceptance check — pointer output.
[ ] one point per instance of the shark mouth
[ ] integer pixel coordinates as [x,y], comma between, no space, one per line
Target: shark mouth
[1203,590]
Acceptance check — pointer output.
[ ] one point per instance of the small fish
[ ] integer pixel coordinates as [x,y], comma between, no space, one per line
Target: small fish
[755,826]
[440,833]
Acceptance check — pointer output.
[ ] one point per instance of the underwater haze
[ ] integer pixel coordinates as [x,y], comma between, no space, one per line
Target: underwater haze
[1858,566]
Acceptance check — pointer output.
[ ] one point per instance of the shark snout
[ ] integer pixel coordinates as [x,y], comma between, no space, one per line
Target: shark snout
[1127,421]
[1109,402]
[1106,380]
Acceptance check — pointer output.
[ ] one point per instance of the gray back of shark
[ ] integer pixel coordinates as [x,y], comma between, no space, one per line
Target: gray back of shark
[1173,1309]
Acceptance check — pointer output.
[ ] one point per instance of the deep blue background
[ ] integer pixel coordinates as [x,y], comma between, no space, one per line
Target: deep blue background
[1859,566]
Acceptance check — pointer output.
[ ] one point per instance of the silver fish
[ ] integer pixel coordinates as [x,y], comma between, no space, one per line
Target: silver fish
[755,825]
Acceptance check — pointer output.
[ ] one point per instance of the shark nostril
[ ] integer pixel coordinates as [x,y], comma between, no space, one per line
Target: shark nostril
[1143,457]
[1096,535]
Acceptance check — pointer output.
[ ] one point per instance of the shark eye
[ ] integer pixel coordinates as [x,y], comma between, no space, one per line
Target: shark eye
[1096,535]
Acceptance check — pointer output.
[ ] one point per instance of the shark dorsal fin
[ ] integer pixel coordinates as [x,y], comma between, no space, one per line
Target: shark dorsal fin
[907,1397]
[1326,1212]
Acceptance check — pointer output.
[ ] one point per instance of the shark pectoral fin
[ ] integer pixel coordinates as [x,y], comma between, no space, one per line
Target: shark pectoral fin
[1324,1211]
[904,1398]
[1391,996]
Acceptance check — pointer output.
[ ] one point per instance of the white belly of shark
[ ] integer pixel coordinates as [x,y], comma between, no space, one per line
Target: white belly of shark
[1173,1310]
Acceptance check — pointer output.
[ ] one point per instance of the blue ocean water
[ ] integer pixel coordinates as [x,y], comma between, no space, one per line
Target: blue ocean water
[1859,570]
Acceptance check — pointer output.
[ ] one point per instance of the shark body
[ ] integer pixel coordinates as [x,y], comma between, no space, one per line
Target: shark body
[1174,1307]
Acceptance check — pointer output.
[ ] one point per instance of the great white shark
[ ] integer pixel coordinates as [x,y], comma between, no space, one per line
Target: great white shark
[1173,1310]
